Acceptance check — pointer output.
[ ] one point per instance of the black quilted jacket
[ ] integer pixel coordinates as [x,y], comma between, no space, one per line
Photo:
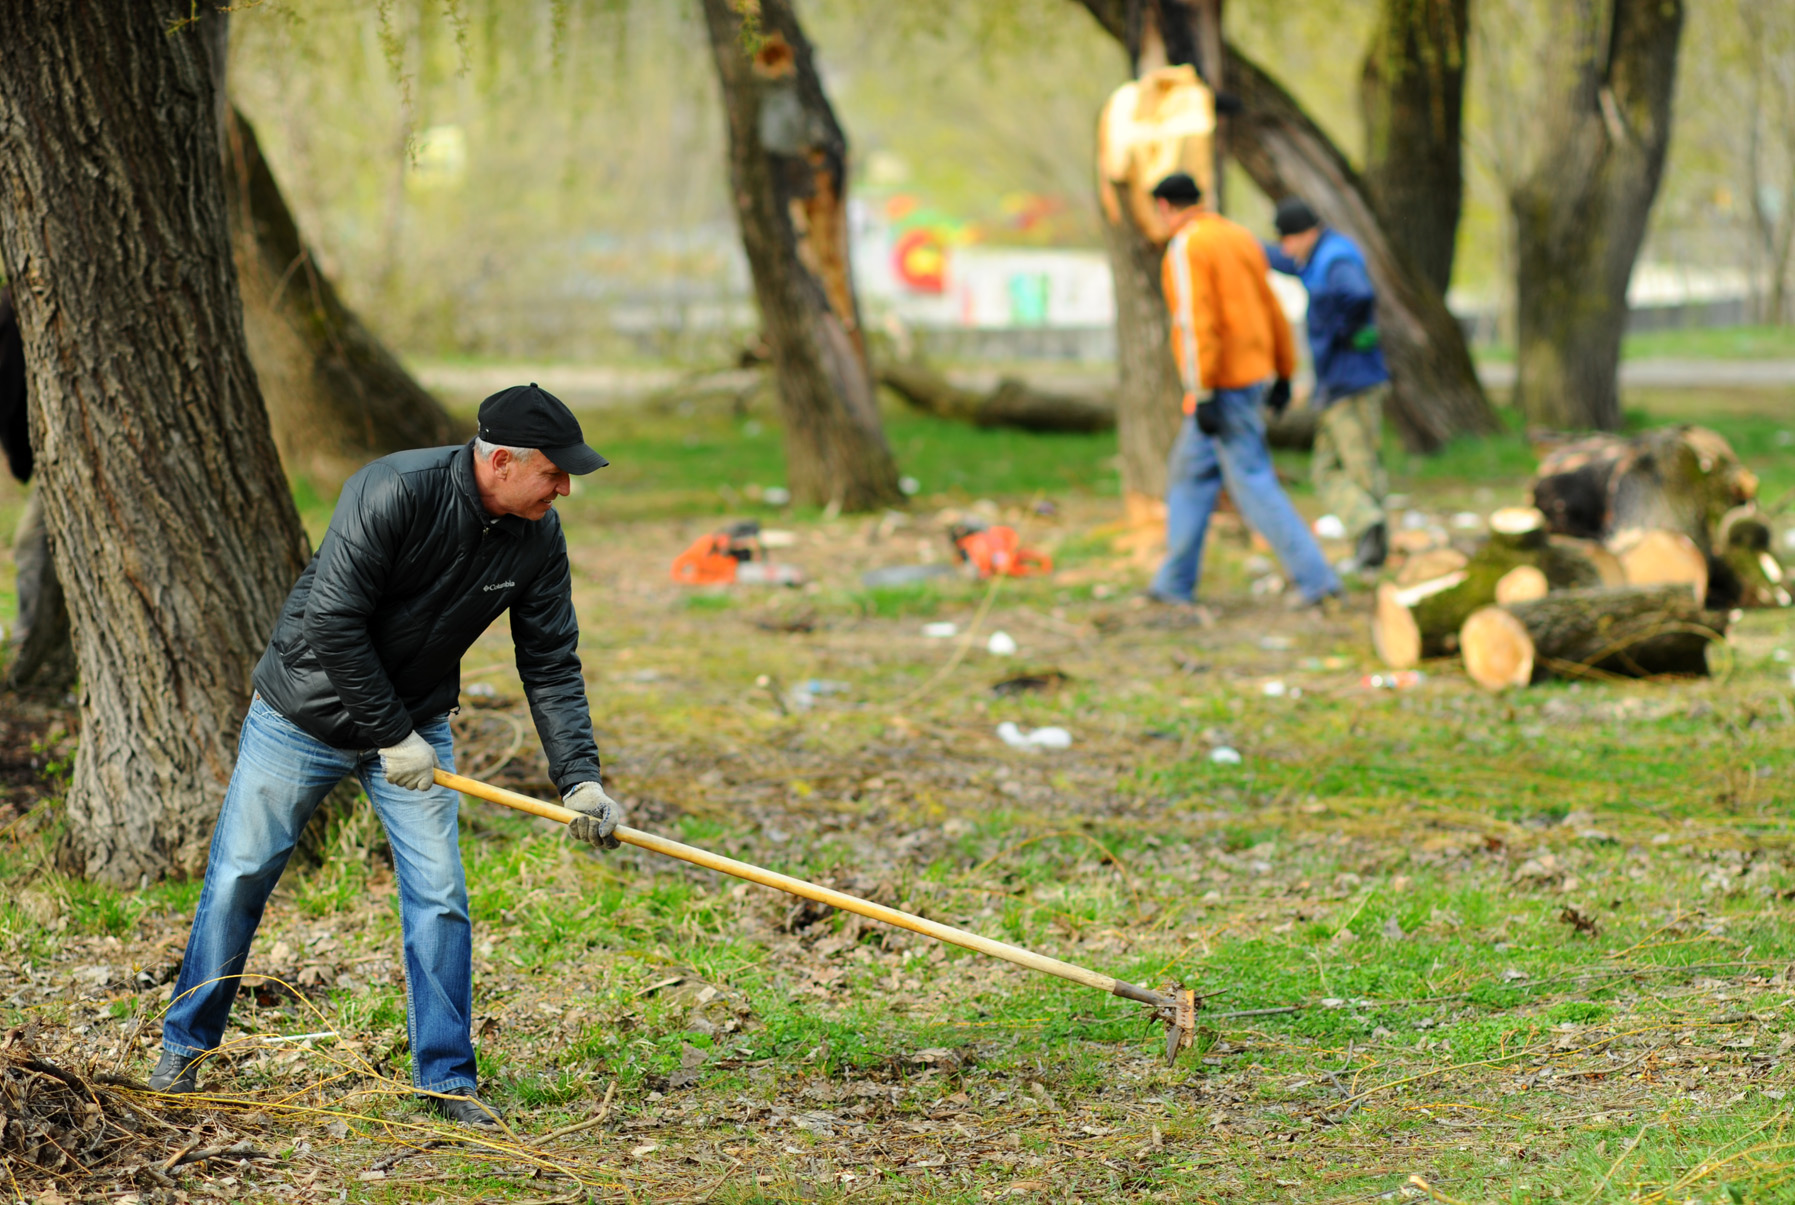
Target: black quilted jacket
[410,572]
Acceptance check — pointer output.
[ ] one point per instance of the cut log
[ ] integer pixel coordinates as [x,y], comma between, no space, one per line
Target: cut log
[1677,478]
[1498,651]
[1742,569]
[1433,563]
[1523,583]
[1013,403]
[1631,631]
[1570,563]
[1394,633]
[1435,607]
[1518,527]
[1658,557]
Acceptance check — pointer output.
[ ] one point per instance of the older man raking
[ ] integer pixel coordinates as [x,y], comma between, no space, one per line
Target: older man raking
[424,551]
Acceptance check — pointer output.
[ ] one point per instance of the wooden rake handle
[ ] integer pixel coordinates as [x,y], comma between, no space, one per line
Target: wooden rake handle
[810,891]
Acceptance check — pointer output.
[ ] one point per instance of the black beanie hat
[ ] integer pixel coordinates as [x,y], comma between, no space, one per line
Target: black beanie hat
[1178,189]
[1294,216]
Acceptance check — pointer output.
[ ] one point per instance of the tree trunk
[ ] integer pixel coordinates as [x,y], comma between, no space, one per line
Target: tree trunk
[336,397]
[1014,403]
[175,534]
[1411,95]
[1147,387]
[1631,631]
[788,177]
[1436,395]
[1581,214]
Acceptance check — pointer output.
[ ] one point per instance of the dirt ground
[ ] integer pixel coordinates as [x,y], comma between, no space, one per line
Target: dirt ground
[1474,947]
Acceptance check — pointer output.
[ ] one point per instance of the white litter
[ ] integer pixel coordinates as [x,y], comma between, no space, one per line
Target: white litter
[1035,738]
[1329,527]
[909,487]
[776,495]
[1274,689]
[1224,756]
[1466,520]
[944,630]
[1001,644]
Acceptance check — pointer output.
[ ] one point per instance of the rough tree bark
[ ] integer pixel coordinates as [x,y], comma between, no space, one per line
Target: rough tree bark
[1157,33]
[336,397]
[1580,214]
[1411,94]
[1437,395]
[788,178]
[175,533]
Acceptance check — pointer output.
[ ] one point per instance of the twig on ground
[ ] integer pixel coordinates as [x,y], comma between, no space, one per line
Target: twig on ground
[597,1119]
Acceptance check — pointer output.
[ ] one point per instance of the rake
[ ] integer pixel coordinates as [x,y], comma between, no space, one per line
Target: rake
[1176,1005]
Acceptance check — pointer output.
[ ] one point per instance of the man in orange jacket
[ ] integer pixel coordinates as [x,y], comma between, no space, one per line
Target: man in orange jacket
[1231,340]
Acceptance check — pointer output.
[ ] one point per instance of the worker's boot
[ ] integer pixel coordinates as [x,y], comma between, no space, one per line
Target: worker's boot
[467,1110]
[1373,549]
[176,1073]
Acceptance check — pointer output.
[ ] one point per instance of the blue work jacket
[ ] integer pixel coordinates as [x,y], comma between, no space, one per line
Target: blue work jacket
[1341,306]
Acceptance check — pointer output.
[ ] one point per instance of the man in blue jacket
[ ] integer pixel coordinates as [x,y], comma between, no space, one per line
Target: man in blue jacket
[1351,381]
[425,550]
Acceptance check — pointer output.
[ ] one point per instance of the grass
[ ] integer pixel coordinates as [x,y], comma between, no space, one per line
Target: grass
[1533,947]
[1691,343]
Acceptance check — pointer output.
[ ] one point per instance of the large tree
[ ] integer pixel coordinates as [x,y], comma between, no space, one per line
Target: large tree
[788,179]
[1437,395]
[175,533]
[1580,213]
[336,397]
[1412,97]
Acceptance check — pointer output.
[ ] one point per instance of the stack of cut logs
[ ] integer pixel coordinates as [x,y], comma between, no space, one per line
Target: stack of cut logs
[1629,562]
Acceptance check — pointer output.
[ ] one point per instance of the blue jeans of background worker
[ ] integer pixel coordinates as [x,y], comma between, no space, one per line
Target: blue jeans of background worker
[1237,457]
[282,774]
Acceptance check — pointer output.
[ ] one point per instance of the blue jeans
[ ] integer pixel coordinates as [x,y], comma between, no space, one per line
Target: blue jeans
[1237,456]
[282,774]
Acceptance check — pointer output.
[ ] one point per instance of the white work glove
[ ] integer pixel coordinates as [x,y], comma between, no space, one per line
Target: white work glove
[599,815]
[410,764]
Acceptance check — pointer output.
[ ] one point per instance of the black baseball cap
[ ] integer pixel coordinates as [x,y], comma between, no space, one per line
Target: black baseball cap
[529,416]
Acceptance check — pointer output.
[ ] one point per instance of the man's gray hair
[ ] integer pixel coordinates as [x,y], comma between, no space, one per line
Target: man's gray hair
[484,450]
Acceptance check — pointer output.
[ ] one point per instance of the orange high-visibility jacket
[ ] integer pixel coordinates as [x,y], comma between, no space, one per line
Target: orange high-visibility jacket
[1227,329]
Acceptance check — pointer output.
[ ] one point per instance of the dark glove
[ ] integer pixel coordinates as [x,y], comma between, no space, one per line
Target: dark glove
[599,815]
[1209,415]
[1277,398]
[1366,338]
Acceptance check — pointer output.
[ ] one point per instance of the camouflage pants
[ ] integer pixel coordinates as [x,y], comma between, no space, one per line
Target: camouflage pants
[1348,476]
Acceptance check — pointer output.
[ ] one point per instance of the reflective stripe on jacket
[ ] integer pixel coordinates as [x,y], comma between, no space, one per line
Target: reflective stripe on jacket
[1227,329]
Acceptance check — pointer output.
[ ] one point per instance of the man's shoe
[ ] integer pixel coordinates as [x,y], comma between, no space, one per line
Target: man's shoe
[466,1110]
[1373,549]
[176,1073]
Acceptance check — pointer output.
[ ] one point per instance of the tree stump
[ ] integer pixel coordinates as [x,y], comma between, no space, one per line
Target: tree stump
[1630,631]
